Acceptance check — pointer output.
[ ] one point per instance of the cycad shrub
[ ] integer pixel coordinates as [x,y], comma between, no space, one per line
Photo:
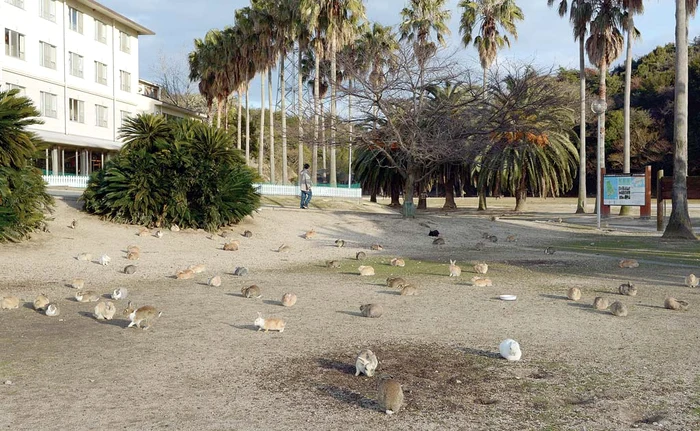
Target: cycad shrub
[173,172]
[24,202]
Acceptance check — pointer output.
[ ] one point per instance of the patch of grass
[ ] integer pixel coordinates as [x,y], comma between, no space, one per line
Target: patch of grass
[382,268]
[684,252]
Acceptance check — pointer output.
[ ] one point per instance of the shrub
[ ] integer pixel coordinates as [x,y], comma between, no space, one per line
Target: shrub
[23,198]
[182,172]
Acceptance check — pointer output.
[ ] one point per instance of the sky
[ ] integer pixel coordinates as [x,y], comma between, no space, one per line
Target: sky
[543,38]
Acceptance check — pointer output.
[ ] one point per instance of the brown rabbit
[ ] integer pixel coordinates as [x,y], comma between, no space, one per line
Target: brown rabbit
[133,248]
[455,271]
[390,396]
[87,296]
[197,269]
[77,283]
[481,268]
[409,290]
[146,314]
[600,303]
[395,282]
[372,310]
[231,246]
[365,270]
[251,291]
[9,302]
[105,310]
[618,309]
[332,264]
[41,302]
[377,247]
[482,282]
[269,324]
[674,304]
[184,274]
[144,232]
[133,255]
[398,262]
[310,234]
[289,299]
[628,263]
[574,293]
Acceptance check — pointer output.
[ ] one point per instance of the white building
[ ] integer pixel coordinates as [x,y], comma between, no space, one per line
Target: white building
[79,62]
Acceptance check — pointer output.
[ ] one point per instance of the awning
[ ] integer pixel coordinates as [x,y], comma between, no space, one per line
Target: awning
[77,140]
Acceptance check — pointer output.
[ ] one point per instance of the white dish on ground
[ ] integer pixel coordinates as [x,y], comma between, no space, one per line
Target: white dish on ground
[507,297]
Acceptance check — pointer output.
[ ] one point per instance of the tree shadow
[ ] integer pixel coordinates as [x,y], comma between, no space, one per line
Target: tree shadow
[330,364]
[390,292]
[121,323]
[236,295]
[272,302]
[250,327]
[350,313]
[651,306]
[550,296]
[587,307]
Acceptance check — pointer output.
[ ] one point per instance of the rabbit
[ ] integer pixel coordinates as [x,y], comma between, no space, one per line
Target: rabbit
[439,241]
[77,283]
[628,289]
[390,396]
[283,248]
[104,260]
[84,257]
[231,246]
[455,271]
[129,269]
[339,243]
[511,238]
[492,238]
[240,271]
[74,224]
[365,270]
[289,299]
[361,255]
[479,246]
[270,324]
[215,281]
[574,293]
[377,247]
[365,363]
[618,309]
[481,268]
[135,248]
[691,281]
[396,282]
[495,218]
[41,302]
[184,274]
[146,314]
[332,264]
[120,293]
[549,250]
[674,304]
[510,350]
[628,263]
[87,296]
[105,310]
[143,232]
[600,303]
[434,232]
[174,228]
[398,262]
[409,290]
[52,310]
[251,291]
[372,310]
[133,255]
[9,303]
[247,234]
[158,234]
[482,282]
[310,234]
[198,269]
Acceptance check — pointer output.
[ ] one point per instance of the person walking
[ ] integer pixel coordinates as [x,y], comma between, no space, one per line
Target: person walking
[305,186]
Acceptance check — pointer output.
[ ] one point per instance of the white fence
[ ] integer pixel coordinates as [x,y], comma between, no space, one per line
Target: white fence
[80,181]
[77,181]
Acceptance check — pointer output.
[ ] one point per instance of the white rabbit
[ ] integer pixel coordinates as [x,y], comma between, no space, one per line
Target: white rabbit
[366,363]
[104,260]
[120,293]
[691,281]
[510,349]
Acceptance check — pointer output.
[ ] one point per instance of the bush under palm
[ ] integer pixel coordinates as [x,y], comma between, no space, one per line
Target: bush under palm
[23,198]
[183,173]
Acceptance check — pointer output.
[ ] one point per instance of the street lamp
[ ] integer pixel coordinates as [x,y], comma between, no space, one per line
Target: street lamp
[599,106]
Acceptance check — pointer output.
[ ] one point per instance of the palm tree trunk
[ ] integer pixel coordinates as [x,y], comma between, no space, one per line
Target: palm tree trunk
[261,143]
[283,89]
[581,205]
[483,82]
[219,111]
[679,225]
[334,182]
[625,210]
[324,145]
[240,117]
[272,126]
[351,133]
[247,124]
[300,111]
[226,113]
[317,71]
[521,192]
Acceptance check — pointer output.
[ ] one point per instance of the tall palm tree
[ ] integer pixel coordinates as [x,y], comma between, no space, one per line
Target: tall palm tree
[580,14]
[302,34]
[489,15]
[679,225]
[247,39]
[378,46]
[419,20]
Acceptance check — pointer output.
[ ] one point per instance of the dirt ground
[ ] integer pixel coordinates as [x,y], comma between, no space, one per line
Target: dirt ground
[204,366]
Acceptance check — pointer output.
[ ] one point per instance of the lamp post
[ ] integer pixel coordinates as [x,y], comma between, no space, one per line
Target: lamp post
[599,106]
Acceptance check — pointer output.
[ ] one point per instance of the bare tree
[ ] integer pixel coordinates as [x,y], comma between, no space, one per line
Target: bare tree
[175,85]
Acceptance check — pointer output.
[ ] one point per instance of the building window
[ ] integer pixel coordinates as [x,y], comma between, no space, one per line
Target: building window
[100,73]
[47,9]
[48,55]
[100,32]
[18,3]
[100,116]
[124,42]
[75,20]
[77,110]
[75,64]
[14,44]
[125,81]
[48,104]
[22,90]
[124,115]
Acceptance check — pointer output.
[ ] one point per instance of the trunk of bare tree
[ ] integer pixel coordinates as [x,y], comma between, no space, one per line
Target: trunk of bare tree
[261,143]
[334,181]
[422,196]
[409,209]
[300,111]
[395,193]
[581,205]
[450,203]
[271,110]
[240,120]
[373,194]
[679,225]
[351,133]
[625,210]
[285,173]
[482,200]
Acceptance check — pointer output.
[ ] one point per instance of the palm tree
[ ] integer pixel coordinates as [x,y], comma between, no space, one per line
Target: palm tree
[247,39]
[679,225]
[202,69]
[580,14]
[377,46]
[489,15]
[419,19]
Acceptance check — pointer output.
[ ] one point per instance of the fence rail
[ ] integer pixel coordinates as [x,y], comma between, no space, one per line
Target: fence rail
[80,181]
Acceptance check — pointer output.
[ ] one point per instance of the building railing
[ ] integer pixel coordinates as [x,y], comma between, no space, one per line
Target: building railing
[75,181]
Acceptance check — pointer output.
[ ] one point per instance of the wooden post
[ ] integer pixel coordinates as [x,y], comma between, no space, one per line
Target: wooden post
[645,211]
[604,209]
[659,201]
